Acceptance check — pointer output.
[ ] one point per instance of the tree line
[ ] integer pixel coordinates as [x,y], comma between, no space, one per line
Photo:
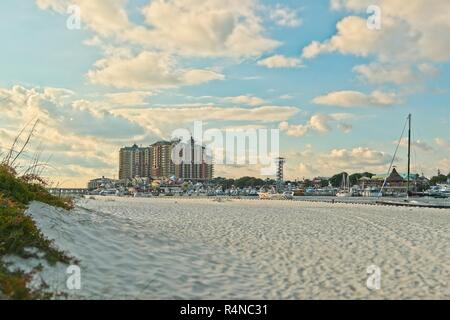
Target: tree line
[335,181]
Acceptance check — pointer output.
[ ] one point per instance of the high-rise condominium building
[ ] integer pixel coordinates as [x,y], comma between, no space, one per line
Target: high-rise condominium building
[161,164]
[134,162]
[156,161]
[194,164]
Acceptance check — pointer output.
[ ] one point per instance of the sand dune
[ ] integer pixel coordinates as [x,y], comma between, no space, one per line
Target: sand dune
[243,249]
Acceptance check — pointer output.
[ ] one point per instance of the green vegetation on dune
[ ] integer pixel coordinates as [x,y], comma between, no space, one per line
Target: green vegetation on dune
[23,190]
[18,233]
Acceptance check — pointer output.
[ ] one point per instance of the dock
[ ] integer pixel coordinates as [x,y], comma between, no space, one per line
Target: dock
[376,202]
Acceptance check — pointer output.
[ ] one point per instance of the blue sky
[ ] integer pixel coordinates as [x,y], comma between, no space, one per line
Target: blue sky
[136,70]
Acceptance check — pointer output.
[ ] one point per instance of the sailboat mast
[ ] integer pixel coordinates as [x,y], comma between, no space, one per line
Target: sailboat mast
[409,154]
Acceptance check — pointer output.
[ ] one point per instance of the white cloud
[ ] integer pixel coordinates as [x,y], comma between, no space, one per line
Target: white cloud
[280,61]
[211,27]
[147,70]
[69,117]
[443,143]
[170,32]
[419,144]
[350,99]
[314,49]
[294,130]
[285,16]
[133,98]
[59,6]
[416,31]
[247,100]
[319,122]
[69,130]
[106,18]
[353,37]
[310,162]
[357,157]
[230,28]
[304,170]
[377,73]
[162,120]
[412,39]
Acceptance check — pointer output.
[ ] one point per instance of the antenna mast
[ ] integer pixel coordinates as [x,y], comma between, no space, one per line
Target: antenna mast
[409,155]
[280,173]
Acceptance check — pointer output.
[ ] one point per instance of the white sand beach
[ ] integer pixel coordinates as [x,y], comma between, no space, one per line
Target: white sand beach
[247,249]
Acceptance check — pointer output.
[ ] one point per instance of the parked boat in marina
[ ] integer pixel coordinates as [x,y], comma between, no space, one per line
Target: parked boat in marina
[406,201]
[441,191]
[298,192]
[345,187]
[326,191]
[273,195]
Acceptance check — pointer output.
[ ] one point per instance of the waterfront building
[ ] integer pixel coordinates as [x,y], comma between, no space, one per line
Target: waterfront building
[195,165]
[396,183]
[156,162]
[320,182]
[100,183]
[134,162]
[162,166]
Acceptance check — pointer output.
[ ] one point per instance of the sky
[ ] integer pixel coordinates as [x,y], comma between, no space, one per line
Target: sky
[337,89]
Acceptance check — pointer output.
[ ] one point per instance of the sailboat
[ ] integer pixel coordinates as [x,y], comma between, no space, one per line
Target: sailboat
[407,201]
[345,187]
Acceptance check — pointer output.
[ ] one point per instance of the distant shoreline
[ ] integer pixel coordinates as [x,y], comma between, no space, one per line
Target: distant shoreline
[428,202]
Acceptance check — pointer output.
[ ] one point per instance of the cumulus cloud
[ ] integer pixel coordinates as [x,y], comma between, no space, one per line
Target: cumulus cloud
[59,6]
[163,120]
[285,16]
[147,70]
[412,40]
[353,37]
[319,122]
[350,99]
[412,32]
[358,157]
[69,130]
[310,163]
[170,31]
[280,61]
[211,27]
[305,170]
[73,116]
[377,73]
[187,27]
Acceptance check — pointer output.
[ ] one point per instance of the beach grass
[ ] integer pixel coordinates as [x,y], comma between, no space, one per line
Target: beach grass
[19,235]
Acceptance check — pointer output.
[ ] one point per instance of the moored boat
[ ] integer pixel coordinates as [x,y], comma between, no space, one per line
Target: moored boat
[345,187]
